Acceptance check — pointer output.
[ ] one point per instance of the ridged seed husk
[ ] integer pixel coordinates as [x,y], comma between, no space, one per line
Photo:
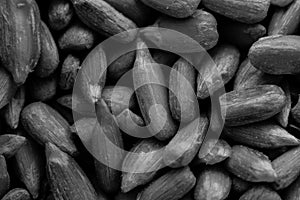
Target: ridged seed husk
[171,186]
[49,58]
[277,54]
[13,110]
[285,20]
[60,14]
[182,99]
[155,96]
[97,139]
[17,194]
[4,177]
[260,193]
[67,180]
[128,122]
[212,183]
[77,104]
[293,191]
[260,135]
[68,73]
[226,61]
[248,12]
[108,158]
[45,125]
[118,98]
[77,37]
[19,37]
[283,116]
[135,10]
[248,76]
[10,144]
[29,164]
[105,19]
[84,128]
[250,165]
[201,27]
[121,65]
[248,105]
[177,9]
[92,77]
[287,168]
[214,151]
[186,143]
[141,164]
[7,87]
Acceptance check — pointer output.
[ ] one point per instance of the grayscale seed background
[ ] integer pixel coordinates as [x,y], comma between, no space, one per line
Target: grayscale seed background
[149,100]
